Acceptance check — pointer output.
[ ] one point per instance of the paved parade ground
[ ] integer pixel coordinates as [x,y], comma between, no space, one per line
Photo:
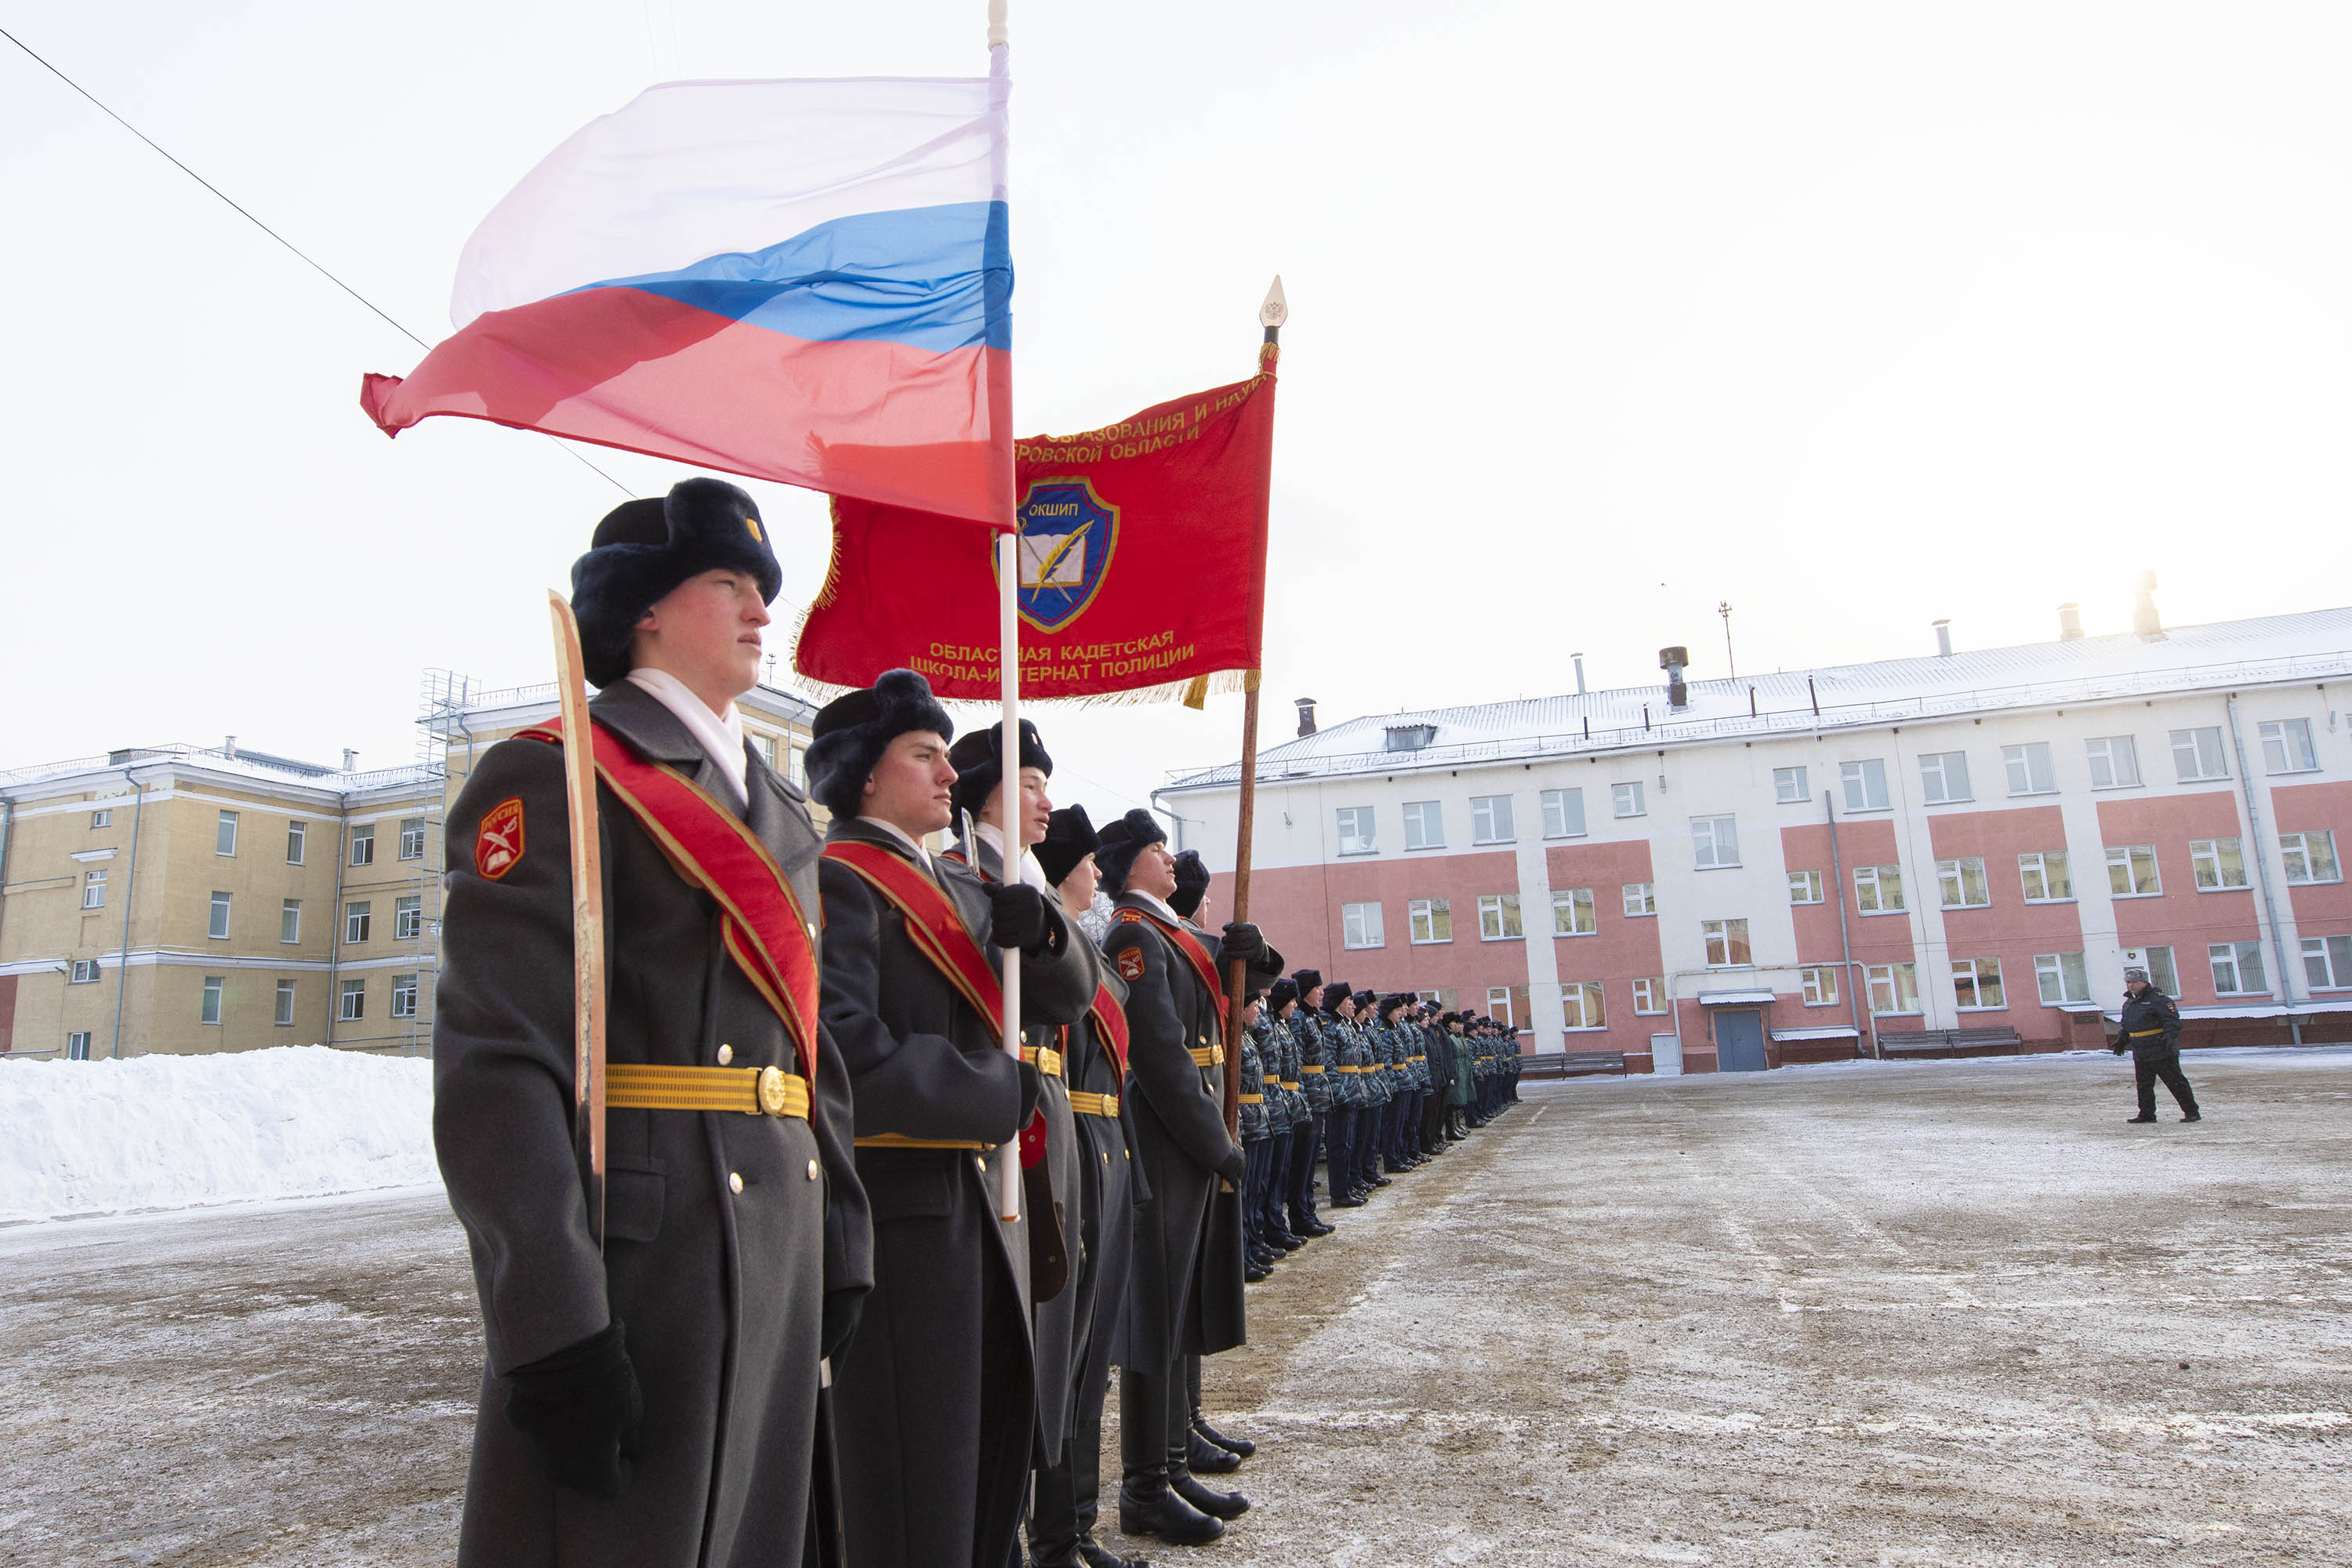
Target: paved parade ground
[1910,1314]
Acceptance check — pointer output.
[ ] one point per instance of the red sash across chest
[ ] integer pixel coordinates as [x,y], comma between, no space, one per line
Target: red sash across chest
[714,851]
[1185,942]
[933,923]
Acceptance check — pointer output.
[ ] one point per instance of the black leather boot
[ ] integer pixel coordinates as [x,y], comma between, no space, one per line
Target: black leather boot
[1146,1504]
[1203,1458]
[1054,1517]
[1240,1447]
[1217,1505]
[1094,1555]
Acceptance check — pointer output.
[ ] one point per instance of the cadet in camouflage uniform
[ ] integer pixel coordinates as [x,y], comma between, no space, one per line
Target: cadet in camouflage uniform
[1257,1144]
[1315,1085]
[1346,1073]
[1380,1086]
[1285,1105]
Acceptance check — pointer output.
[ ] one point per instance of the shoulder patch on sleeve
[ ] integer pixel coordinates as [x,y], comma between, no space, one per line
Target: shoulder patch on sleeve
[497,843]
[1130,964]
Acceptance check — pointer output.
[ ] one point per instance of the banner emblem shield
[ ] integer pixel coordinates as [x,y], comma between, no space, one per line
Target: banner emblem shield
[1067,534]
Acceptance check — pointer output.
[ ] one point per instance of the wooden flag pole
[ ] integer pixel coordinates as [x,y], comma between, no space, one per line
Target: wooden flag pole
[587,914]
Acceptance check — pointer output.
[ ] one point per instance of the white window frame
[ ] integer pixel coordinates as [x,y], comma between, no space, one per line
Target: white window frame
[2045,864]
[1789,787]
[1500,997]
[350,1005]
[284,1015]
[1354,826]
[2061,977]
[102,817]
[2333,969]
[1491,821]
[1498,918]
[2209,864]
[1641,901]
[213,1001]
[1820,984]
[1715,842]
[359,919]
[1359,930]
[1860,780]
[77,1046]
[217,918]
[1422,918]
[224,835]
[403,990]
[2286,746]
[1807,888]
[408,918]
[2131,856]
[1582,918]
[1425,824]
[1584,1006]
[84,973]
[297,834]
[2204,754]
[1896,979]
[289,920]
[411,838]
[364,844]
[2310,857]
[2115,756]
[2241,957]
[1738,952]
[2030,768]
[1971,977]
[1872,888]
[1958,878]
[1555,819]
[1649,996]
[93,889]
[1944,778]
[1626,799]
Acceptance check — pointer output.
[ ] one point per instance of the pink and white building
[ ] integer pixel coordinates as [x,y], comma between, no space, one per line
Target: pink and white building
[1736,874]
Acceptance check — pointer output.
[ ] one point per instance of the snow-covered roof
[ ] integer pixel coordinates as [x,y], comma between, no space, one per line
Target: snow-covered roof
[259,767]
[2313,645]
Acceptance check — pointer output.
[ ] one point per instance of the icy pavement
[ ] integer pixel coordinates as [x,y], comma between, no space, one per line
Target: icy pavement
[1927,1313]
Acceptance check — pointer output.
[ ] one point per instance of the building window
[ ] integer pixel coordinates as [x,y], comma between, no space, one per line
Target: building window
[1572,913]
[2061,977]
[796,765]
[1490,819]
[1726,943]
[1962,883]
[101,818]
[1820,983]
[411,838]
[1944,777]
[295,833]
[364,844]
[2160,972]
[2238,969]
[84,971]
[1425,824]
[1650,995]
[356,918]
[1625,799]
[1499,917]
[407,917]
[77,1046]
[210,1010]
[285,1003]
[93,889]
[2114,762]
[2030,769]
[1508,1004]
[1444,996]
[1894,989]
[2196,754]
[404,995]
[2131,871]
[224,835]
[2217,863]
[1865,784]
[1976,985]
[1563,813]
[2327,962]
[766,746]
[1789,787]
[1580,1001]
[217,927]
[1432,920]
[1359,925]
[1355,830]
[289,920]
[2286,746]
[2043,872]
[2310,857]
[353,1006]
[1805,887]
[1715,841]
[1878,890]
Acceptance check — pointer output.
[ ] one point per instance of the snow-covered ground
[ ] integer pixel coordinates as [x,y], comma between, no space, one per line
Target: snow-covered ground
[163,1132]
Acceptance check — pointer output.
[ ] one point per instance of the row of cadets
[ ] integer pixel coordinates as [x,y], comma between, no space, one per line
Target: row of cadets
[1316,1051]
[655,1400]
[938,1392]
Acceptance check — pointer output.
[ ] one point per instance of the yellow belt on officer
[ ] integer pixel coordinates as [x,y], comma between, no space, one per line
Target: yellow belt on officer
[1289,1083]
[1345,1068]
[1094,1104]
[2142,1034]
[1310,1067]
[1251,1099]
[754,1092]
[1210,1056]
[899,1140]
[1044,1059]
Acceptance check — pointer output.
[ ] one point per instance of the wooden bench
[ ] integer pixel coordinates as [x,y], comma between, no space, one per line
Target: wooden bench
[1998,1042]
[1572,1064]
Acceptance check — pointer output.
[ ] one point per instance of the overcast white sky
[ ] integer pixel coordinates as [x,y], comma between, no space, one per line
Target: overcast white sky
[1855,315]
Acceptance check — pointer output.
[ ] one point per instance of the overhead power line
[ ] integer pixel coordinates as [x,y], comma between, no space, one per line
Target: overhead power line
[297,250]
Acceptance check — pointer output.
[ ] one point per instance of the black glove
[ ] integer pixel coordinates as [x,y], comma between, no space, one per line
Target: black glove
[2117,1047]
[1032,1090]
[1241,942]
[839,1320]
[1234,1162]
[581,1409]
[1016,916]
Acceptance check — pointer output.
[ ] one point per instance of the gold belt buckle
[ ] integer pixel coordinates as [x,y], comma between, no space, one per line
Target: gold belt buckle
[772,1090]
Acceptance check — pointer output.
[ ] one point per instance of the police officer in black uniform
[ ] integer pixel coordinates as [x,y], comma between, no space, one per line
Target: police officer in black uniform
[2150,1030]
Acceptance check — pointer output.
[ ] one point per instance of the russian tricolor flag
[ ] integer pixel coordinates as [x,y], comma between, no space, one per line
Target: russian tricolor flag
[806,281]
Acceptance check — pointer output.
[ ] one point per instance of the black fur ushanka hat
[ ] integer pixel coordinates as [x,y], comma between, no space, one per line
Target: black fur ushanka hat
[1069,838]
[851,732]
[1119,843]
[1191,884]
[644,549]
[1282,993]
[980,770]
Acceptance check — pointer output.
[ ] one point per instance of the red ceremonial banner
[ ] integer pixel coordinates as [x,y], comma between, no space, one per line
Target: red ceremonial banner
[1142,562]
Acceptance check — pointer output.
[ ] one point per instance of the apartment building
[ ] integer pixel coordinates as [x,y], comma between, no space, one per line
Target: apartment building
[1742,873]
[182,898]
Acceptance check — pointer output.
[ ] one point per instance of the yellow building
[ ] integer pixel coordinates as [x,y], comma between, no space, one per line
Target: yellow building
[183,899]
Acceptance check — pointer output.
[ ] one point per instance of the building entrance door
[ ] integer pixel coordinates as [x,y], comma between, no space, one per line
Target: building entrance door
[1739,1039]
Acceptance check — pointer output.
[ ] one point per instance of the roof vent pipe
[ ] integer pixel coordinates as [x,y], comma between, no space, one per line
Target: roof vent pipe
[1673,661]
[1306,714]
[2070,623]
[351,760]
[228,748]
[2144,617]
[1578,659]
[1943,639]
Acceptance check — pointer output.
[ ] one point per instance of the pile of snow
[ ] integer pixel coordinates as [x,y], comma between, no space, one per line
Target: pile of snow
[167,1131]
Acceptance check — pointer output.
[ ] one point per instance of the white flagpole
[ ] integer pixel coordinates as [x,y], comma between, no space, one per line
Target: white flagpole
[1008,648]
